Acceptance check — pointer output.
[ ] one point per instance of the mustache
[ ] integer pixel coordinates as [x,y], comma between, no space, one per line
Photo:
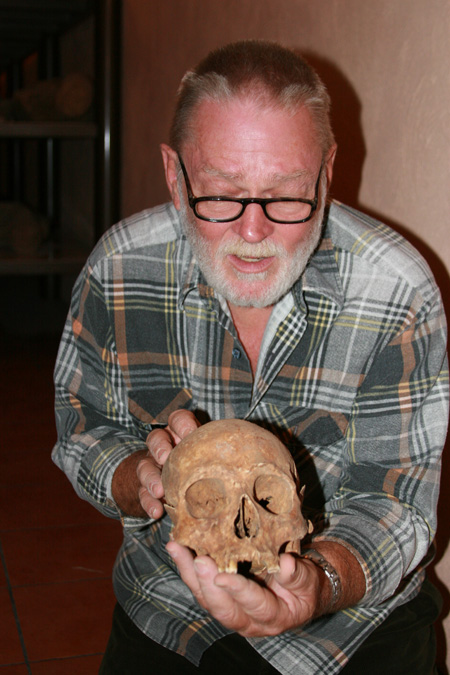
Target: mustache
[244,249]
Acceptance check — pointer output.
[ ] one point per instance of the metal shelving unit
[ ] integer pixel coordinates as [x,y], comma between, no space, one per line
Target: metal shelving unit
[30,27]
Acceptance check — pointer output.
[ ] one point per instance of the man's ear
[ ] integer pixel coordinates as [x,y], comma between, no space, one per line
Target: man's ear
[329,163]
[170,160]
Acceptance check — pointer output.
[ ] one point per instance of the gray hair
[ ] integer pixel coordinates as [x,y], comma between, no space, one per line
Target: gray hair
[265,72]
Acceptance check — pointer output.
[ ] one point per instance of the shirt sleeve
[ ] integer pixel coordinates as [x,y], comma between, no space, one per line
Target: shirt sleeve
[385,508]
[95,429]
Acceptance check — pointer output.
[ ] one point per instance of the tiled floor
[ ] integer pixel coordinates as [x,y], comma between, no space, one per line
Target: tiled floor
[57,552]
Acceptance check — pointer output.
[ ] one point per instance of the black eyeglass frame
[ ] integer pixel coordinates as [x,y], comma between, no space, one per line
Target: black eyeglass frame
[193,201]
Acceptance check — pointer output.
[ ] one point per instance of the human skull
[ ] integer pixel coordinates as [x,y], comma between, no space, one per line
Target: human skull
[231,492]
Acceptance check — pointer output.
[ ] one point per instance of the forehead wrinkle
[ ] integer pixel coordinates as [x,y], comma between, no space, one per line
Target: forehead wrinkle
[273,177]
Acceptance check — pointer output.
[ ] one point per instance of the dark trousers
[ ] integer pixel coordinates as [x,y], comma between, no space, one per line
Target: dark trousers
[403,645]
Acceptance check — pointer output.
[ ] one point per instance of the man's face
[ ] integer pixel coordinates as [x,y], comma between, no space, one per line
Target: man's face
[241,150]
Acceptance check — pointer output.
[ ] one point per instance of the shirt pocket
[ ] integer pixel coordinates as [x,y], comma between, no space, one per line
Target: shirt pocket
[151,408]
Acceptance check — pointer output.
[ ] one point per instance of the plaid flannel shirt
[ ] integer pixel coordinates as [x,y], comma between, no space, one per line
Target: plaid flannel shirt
[354,380]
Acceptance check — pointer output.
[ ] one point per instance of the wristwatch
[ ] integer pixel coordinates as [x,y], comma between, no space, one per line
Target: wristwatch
[331,573]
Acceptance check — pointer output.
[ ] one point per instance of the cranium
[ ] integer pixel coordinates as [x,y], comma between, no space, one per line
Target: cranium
[231,492]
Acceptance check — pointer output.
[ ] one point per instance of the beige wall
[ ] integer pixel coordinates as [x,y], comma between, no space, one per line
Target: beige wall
[386,65]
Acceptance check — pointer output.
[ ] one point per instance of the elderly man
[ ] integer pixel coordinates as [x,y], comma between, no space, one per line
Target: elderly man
[250,296]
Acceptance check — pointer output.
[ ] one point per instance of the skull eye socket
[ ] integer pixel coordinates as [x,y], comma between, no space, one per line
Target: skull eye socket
[206,498]
[273,493]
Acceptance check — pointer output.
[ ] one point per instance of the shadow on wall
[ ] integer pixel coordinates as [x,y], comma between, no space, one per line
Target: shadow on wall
[346,120]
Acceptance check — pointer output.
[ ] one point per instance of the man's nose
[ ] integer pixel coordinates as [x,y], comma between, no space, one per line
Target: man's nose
[253,226]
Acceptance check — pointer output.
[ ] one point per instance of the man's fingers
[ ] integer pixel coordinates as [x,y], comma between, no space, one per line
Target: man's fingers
[184,560]
[219,601]
[181,423]
[149,477]
[290,573]
[242,604]
[151,490]
[160,443]
[295,575]
[255,600]
[153,507]
[199,574]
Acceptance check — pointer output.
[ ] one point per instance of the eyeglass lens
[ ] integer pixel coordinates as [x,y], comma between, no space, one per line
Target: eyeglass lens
[225,210]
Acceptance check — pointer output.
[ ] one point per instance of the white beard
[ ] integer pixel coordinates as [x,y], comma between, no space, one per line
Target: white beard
[253,292]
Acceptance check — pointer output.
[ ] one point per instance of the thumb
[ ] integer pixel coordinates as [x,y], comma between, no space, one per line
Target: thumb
[294,572]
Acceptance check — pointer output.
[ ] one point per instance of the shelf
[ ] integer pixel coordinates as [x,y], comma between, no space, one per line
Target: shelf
[67,261]
[48,130]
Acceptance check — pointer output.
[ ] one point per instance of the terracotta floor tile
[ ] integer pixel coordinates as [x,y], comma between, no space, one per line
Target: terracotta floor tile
[10,647]
[26,411]
[2,574]
[60,554]
[17,669]
[64,599]
[65,620]
[43,505]
[80,665]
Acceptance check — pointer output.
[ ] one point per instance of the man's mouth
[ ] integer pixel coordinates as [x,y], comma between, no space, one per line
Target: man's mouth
[250,264]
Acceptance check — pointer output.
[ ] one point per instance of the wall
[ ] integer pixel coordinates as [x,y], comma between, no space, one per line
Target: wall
[385,63]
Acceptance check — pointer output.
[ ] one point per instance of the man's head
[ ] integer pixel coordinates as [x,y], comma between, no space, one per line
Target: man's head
[251,122]
[264,72]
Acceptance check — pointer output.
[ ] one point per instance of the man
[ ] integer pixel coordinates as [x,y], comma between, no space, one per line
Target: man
[248,296]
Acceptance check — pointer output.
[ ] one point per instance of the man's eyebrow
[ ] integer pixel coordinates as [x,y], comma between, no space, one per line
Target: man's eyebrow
[221,174]
[301,173]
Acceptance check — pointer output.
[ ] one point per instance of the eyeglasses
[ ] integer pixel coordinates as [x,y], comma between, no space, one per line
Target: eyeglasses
[288,210]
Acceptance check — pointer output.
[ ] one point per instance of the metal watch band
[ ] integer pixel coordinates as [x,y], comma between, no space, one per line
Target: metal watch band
[332,575]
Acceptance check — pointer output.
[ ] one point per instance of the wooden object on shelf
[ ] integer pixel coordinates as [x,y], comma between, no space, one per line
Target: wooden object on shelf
[22,232]
[52,100]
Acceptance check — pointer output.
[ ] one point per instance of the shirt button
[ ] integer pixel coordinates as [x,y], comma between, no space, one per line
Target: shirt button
[236,353]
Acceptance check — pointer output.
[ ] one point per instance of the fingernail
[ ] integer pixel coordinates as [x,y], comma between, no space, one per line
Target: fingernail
[200,566]
[152,512]
[172,554]
[161,456]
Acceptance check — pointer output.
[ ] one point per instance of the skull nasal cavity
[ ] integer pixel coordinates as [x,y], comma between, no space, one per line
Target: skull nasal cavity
[246,524]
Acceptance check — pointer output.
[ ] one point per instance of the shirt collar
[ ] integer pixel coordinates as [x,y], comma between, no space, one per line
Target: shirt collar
[322,275]
[192,278]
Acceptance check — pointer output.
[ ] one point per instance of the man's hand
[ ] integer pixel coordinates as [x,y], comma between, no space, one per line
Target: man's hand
[160,442]
[136,486]
[289,598]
